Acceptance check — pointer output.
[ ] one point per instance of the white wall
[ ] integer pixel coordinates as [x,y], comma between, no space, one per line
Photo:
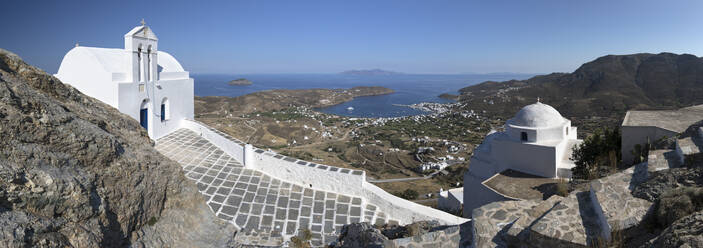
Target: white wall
[633,135]
[233,149]
[404,211]
[476,194]
[82,71]
[179,93]
[540,134]
[320,177]
[530,158]
[448,202]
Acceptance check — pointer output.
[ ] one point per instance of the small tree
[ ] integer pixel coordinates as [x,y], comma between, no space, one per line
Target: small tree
[597,152]
[641,152]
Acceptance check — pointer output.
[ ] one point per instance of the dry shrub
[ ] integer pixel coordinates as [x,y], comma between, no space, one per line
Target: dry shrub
[677,203]
[562,187]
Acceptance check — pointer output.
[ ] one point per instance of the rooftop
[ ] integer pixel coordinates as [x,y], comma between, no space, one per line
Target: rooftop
[521,185]
[672,120]
[537,115]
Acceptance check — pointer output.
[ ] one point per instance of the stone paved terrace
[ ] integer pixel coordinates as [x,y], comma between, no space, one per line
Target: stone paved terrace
[265,209]
[518,185]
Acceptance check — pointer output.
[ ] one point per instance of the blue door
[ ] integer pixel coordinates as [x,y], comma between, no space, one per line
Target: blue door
[143,118]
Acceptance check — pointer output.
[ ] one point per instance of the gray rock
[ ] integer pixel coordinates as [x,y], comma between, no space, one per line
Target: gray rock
[685,232]
[665,180]
[360,235]
[75,172]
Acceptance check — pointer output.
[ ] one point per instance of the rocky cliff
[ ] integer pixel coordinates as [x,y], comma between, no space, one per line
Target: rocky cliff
[76,172]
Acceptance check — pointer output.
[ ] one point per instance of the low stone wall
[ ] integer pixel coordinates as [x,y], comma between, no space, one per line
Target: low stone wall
[448,202]
[404,211]
[477,194]
[228,144]
[600,219]
[309,174]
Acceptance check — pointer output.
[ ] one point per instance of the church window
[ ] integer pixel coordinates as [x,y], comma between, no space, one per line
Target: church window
[523,136]
[165,111]
[148,65]
[139,62]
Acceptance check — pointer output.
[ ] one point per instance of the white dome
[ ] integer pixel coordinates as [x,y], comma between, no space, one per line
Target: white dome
[537,115]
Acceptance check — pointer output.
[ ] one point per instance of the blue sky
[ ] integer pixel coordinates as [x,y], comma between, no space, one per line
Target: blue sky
[239,37]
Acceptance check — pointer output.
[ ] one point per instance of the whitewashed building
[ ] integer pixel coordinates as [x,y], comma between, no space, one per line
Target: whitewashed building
[139,80]
[642,126]
[538,141]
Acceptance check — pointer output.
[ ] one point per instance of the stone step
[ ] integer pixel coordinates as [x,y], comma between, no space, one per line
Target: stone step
[493,219]
[619,207]
[259,238]
[662,160]
[256,202]
[520,228]
[571,222]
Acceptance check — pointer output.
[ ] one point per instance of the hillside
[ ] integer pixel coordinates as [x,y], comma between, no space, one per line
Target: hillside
[600,91]
[75,172]
[271,100]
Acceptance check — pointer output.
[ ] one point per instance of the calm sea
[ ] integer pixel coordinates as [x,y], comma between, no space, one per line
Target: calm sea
[409,89]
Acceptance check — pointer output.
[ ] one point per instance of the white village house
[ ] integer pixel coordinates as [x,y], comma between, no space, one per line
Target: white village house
[139,80]
[538,141]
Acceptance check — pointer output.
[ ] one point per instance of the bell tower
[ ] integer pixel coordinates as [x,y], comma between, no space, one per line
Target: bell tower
[142,43]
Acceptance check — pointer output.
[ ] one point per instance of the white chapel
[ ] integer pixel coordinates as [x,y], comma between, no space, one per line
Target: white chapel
[537,141]
[139,80]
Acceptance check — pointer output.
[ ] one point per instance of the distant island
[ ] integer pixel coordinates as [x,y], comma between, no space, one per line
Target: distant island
[240,81]
[373,72]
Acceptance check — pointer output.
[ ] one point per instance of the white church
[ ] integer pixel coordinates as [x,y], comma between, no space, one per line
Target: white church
[139,80]
[537,141]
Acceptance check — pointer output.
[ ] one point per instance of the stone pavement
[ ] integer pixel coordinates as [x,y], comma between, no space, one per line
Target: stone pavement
[265,209]
[577,220]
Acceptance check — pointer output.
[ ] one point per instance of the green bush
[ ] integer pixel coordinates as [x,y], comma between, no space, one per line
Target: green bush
[677,203]
[598,152]
[408,194]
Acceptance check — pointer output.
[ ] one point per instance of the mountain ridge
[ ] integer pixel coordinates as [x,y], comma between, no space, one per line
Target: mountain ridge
[606,87]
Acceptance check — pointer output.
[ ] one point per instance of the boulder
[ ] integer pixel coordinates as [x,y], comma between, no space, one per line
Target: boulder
[685,232]
[665,180]
[75,172]
[361,235]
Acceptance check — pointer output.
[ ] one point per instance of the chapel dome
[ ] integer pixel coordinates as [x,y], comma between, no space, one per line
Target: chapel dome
[537,115]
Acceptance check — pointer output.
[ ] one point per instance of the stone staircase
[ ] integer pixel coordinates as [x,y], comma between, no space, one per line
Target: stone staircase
[578,220]
[266,210]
